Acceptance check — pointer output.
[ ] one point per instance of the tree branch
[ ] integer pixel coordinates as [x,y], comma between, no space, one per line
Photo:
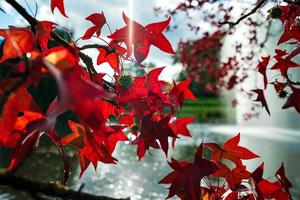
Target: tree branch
[232,24]
[48,189]
[32,21]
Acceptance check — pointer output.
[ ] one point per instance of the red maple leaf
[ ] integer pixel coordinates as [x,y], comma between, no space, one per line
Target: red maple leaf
[261,98]
[291,31]
[293,100]
[59,4]
[231,151]
[179,126]
[19,102]
[233,177]
[283,180]
[262,68]
[283,62]
[145,93]
[264,189]
[181,91]
[186,177]
[79,94]
[17,41]
[22,149]
[43,34]
[89,148]
[98,19]
[154,128]
[112,56]
[142,37]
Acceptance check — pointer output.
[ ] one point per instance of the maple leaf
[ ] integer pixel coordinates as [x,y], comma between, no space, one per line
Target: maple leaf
[22,149]
[112,57]
[79,94]
[59,4]
[279,86]
[135,34]
[262,67]
[90,150]
[290,32]
[181,92]
[18,102]
[284,181]
[111,136]
[17,42]
[61,57]
[43,34]
[283,63]
[186,176]
[98,20]
[146,89]
[233,177]
[23,138]
[154,128]
[261,98]
[264,189]
[231,151]
[179,126]
[293,100]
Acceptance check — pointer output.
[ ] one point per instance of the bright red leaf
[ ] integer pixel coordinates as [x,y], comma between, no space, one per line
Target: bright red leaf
[98,20]
[293,100]
[231,151]
[135,34]
[17,42]
[186,176]
[261,98]
[262,68]
[59,4]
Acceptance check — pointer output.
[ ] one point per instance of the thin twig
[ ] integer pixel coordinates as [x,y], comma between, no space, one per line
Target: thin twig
[258,6]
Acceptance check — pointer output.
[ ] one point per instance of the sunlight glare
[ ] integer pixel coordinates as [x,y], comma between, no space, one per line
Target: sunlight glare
[130,9]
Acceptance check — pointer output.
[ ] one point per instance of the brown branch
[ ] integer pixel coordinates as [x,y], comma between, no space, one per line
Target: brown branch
[32,21]
[296,2]
[253,10]
[96,46]
[47,189]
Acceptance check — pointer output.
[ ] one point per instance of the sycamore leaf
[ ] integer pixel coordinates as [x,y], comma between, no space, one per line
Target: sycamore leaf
[261,98]
[17,42]
[98,20]
[59,4]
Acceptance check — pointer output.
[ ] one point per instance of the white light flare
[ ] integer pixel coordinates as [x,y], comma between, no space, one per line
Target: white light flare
[131,30]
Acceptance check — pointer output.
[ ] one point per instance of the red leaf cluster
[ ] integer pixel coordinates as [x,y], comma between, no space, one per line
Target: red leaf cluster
[197,180]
